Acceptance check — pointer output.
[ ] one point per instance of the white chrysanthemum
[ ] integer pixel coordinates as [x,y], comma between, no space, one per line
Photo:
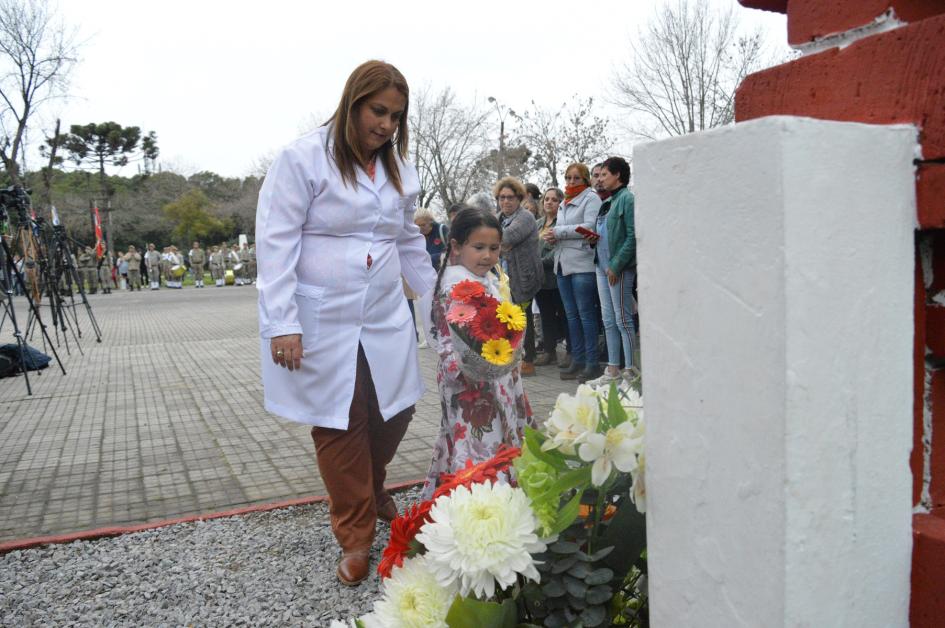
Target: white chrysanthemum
[413,598]
[572,418]
[482,536]
[619,447]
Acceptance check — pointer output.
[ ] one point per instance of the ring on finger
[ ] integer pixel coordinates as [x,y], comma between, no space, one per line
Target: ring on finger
[280,353]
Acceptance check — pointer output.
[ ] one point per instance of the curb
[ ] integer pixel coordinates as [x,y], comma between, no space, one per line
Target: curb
[110,531]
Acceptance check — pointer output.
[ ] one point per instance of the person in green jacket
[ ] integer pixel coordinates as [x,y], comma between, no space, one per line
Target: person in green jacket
[617,270]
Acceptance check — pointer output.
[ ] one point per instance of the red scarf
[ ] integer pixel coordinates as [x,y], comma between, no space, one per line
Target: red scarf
[573,190]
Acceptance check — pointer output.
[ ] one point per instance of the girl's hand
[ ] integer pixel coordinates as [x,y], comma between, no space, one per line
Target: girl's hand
[550,238]
[287,351]
[612,277]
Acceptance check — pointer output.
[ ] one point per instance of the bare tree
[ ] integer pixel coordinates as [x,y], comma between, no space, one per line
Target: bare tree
[36,54]
[448,143]
[556,137]
[685,66]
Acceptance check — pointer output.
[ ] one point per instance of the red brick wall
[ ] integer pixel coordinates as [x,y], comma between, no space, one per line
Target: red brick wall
[891,77]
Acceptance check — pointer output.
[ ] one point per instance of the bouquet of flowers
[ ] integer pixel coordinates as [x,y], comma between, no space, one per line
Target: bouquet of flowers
[486,332]
[563,547]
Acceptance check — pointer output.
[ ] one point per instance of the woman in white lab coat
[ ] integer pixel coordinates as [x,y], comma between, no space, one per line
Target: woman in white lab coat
[334,234]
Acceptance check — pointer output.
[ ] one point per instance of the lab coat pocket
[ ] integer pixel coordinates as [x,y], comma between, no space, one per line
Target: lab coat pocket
[309,299]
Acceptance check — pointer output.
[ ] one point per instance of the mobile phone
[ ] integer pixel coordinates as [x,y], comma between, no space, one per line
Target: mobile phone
[584,231]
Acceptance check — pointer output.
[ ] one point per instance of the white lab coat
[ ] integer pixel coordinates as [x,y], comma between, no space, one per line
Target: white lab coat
[313,238]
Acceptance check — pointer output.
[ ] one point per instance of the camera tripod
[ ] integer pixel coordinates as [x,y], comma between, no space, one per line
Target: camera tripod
[10,275]
[62,275]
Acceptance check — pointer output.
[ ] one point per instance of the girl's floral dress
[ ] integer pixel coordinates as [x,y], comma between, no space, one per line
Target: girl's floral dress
[478,416]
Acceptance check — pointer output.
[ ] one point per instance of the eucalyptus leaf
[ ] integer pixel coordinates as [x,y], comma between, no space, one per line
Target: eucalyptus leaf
[575,587]
[601,553]
[553,588]
[470,613]
[593,616]
[577,603]
[564,547]
[563,564]
[599,576]
[579,570]
[599,594]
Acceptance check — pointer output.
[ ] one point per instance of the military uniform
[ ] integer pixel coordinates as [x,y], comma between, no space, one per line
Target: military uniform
[105,273]
[197,260]
[217,266]
[134,268]
[87,270]
[175,260]
[243,277]
[152,260]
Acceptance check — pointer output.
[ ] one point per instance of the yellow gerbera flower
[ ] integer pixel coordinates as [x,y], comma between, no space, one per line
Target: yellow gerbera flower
[511,314]
[497,352]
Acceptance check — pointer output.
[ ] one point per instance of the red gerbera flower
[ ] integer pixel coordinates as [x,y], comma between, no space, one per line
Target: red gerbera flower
[403,529]
[486,326]
[478,473]
[467,290]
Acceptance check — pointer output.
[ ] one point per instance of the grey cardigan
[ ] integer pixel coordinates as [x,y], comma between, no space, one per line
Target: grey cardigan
[520,252]
[573,254]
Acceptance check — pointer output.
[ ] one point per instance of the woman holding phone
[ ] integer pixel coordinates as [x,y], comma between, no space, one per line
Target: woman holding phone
[574,270]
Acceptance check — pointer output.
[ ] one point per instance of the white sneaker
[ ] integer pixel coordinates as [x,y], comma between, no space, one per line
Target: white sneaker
[604,380]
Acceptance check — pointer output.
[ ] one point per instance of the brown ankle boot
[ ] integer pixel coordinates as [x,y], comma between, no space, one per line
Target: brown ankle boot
[353,568]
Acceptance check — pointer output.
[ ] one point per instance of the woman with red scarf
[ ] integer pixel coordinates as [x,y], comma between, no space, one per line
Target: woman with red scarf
[574,270]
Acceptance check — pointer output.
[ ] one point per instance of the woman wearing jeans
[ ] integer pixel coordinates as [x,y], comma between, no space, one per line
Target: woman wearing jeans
[616,270]
[574,269]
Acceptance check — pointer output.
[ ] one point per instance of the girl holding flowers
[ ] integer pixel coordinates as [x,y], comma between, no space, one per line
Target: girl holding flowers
[477,331]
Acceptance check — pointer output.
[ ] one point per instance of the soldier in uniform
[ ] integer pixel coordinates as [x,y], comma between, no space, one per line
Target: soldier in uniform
[252,263]
[197,258]
[134,268]
[87,269]
[245,278]
[217,266]
[105,273]
[152,261]
[175,259]
[232,259]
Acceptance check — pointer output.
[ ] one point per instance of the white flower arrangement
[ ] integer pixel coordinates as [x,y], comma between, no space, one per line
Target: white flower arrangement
[482,536]
[413,598]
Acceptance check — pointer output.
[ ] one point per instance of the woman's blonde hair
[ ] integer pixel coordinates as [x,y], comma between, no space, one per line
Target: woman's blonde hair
[517,187]
[368,79]
[582,170]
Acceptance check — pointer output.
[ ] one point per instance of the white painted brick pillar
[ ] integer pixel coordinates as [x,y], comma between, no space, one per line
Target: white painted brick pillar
[776,303]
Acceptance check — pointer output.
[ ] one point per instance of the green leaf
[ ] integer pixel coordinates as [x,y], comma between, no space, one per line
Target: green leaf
[533,440]
[601,553]
[571,479]
[580,570]
[615,411]
[567,514]
[469,613]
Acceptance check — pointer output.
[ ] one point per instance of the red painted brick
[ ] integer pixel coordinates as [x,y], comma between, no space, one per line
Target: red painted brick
[927,604]
[811,19]
[930,196]
[937,486]
[934,329]
[917,457]
[778,6]
[894,77]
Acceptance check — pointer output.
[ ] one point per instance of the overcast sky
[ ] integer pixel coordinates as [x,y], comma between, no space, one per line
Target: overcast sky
[224,83]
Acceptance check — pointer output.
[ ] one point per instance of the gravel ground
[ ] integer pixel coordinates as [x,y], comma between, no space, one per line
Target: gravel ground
[273,568]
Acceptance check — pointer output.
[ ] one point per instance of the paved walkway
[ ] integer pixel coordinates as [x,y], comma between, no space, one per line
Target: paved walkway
[164,419]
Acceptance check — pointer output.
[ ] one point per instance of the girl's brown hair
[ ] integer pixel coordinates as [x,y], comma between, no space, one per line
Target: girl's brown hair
[368,79]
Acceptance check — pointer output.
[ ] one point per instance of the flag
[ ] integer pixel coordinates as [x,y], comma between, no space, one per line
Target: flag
[55,215]
[99,244]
